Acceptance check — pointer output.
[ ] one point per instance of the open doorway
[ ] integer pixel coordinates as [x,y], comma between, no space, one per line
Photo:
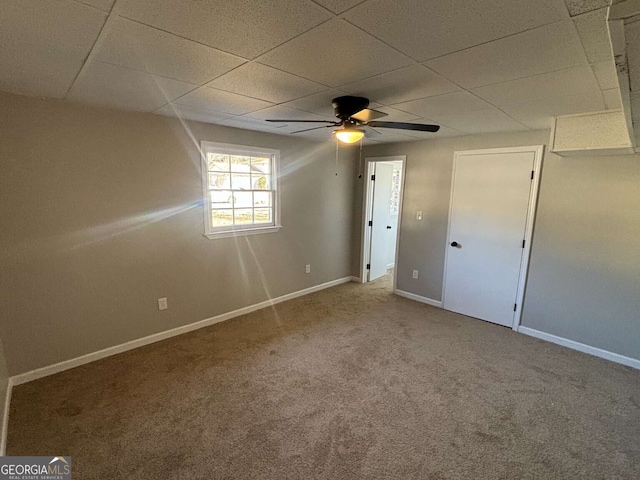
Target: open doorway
[383,187]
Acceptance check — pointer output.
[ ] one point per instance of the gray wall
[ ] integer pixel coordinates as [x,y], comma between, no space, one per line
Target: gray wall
[101,214]
[584,274]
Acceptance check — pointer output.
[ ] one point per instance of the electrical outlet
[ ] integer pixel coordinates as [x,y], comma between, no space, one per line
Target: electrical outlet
[419,215]
[415,274]
[162,303]
[307,268]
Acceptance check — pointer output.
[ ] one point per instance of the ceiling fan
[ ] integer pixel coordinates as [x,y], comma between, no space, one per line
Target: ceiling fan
[353,116]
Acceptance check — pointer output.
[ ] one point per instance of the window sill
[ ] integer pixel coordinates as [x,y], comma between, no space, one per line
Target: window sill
[242,233]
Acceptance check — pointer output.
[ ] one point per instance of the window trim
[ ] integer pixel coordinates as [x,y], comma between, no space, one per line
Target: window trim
[238,230]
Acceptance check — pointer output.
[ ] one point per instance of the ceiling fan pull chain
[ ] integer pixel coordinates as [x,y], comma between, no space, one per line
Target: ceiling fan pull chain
[337,145]
[360,161]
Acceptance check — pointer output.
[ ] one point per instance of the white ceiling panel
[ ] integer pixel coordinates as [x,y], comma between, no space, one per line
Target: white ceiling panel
[147,49]
[36,70]
[480,121]
[561,83]
[104,5]
[223,102]
[191,113]
[606,74]
[395,115]
[448,103]
[545,49]
[335,53]
[612,99]
[266,83]
[319,103]
[428,29]
[338,6]
[632,33]
[539,114]
[577,7]
[279,112]
[401,85]
[242,27]
[122,88]
[594,33]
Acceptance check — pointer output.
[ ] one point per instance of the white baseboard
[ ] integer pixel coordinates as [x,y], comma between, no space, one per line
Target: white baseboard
[418,298]
[156,337]
[581,347]
[5,419]
[391,265]
[356,279]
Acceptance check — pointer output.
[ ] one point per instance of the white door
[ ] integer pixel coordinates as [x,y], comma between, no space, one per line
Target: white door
[381,218]
[488,218]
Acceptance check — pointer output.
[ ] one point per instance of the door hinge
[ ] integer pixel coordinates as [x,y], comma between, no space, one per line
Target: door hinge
[515,307]
[523,242]
[373,177]
[368,266]
[371,223]
[532,172]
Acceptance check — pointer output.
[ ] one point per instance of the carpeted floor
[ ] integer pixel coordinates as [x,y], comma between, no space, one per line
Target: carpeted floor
[348,383]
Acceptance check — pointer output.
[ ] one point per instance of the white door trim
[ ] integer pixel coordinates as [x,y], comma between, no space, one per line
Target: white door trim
[367,193]
[538,151]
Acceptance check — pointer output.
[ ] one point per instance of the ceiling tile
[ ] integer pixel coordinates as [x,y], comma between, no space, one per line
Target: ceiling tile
[191,113]
[447,103]
[248,123]
[402,85]
[266,83]
[576,7]
[545,49]
[606,74]
[117,87]
[612,100]
[104,5]
[539,114]
[243,27]
[428,29]
[43,44]
[279,112]
[147,49]
[632,34]
[36,70]
[319,103]
[223,102]
[561,83]
[335,53]
[394,115]
[594,33]
[338,6]
[68,27]
[479,121]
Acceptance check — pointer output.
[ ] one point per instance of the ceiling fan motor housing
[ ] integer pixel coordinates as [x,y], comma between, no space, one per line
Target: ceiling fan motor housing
[346,106]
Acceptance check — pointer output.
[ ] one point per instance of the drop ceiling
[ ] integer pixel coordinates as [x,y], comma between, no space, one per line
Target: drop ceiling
[472,66]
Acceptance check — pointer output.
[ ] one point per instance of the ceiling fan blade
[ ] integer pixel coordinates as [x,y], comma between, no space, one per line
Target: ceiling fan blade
[314,128]
[406,126]
[367,115]
[301,121]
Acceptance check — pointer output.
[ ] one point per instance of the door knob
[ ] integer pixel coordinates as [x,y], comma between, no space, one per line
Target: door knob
[388,227]
[454,244]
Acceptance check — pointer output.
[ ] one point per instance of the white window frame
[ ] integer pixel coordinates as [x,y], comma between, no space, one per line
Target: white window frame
[238,230]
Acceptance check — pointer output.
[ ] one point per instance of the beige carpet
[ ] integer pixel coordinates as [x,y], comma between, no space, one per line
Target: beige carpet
[352,382]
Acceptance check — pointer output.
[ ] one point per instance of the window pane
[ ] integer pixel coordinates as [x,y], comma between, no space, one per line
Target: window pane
[240,181]
[220,218]
[261,182]
[218,161]
[263,215]
[243,216]
[262,199]
[221,199]
[243,199]
[260,165]
[219,180]
[240,164]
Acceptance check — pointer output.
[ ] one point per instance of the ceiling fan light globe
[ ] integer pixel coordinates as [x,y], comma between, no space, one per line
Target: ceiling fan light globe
[349,135]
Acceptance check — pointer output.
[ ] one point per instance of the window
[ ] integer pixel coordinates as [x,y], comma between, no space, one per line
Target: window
[240,189]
